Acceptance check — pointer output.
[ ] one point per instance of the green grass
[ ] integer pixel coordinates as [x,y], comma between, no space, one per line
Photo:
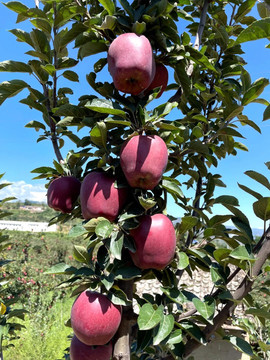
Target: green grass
[45,336]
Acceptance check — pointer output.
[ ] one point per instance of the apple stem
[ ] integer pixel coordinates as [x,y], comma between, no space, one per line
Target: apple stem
[123,335]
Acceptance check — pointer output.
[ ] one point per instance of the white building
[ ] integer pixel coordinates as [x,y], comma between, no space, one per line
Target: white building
[27,226]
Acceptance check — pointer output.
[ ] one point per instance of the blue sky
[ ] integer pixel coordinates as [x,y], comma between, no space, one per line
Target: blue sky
[20,153]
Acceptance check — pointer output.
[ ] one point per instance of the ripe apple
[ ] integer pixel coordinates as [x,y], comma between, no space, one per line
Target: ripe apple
[62,193]
[99,197]
[155,241]
[81,351]
[94,318]
[143,159]
[131,63]
[160,79]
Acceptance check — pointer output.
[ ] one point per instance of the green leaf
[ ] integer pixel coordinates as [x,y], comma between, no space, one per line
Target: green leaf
[91,48]
[35,124]
[266,114]
[257,30]
[104,229]
[98,134]
[187,223]
[193,330]
[165,328]
[175,337]
[11,88]
[174,294]
[49,68]
[61,268]
[118,297]
[262,312]
[206,307]
[105,107]
[81,254]
[16,6]
[183,260]
[255,90]
[243,227]
[259,178]
[108,5]
[240,344]
[172,186]
[126,272]
[244,9]
[116,244]
[71,75]
[147,203]
[22,36]
[149,317]
[42,24]
[128,8]
[227,199]
[261,208]
[242,253]
[250,191]
[263,9]
[77,230]
[15,66]
[199,58]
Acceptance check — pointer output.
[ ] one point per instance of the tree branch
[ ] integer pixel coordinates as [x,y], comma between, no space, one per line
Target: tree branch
[54,102]
[243,289]
[200,30]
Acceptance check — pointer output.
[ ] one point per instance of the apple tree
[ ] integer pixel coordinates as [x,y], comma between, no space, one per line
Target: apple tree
[131,150]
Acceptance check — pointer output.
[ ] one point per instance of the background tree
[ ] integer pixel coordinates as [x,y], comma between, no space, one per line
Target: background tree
[212,88]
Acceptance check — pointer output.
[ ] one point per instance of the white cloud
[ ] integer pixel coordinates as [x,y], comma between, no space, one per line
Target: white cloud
[22,191]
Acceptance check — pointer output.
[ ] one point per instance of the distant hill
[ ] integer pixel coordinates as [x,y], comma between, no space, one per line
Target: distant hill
[30,211]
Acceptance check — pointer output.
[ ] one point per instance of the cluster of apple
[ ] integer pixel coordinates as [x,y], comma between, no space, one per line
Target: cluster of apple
[94,320]
[143,159]
[132,65]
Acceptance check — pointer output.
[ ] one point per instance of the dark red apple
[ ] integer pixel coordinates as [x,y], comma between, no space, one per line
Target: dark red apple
[94,318]
[62,193]
[81,351]
[131,63]
[155,241]
[143,159]
[99,196]
[160,79]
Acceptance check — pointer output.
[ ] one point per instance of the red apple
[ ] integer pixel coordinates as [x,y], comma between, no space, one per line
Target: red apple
[94,318]
[62,193]
[99,197]
[80,351]
[131,63]
[143,159]
[155,242]
[160,79]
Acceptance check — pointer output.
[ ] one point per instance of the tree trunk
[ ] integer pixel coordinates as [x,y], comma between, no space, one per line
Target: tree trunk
[123,335]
